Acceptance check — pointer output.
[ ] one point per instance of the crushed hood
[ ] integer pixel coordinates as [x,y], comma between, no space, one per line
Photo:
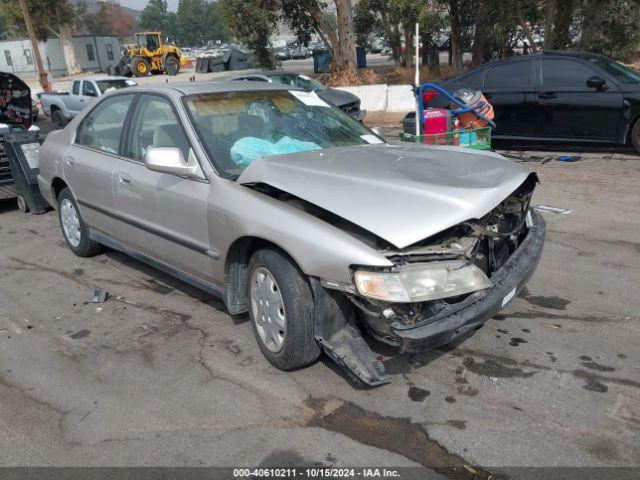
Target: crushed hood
[402,194]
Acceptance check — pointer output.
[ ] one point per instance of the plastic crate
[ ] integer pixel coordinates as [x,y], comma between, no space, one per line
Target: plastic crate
[478,139]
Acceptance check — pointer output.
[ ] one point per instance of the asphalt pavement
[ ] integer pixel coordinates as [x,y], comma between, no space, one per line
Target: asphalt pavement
[161,375]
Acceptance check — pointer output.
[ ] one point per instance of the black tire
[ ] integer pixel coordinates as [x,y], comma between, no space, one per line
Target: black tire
[635,135]
[58,119]
[140,66]
[172,65]
[300,347]
[86,247]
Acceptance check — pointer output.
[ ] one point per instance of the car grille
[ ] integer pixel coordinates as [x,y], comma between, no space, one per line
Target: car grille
[351,109]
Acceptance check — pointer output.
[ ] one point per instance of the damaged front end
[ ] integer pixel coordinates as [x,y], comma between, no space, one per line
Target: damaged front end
[438,289]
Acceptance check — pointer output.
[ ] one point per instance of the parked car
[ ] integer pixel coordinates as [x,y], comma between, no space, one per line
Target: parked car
[560,97]
[345,101]
[63,106]
[298,52]
[295,213]
[282,53]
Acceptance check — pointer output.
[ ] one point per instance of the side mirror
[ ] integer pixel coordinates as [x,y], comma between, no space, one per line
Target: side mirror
[596,82]
[379,132]
[168,160]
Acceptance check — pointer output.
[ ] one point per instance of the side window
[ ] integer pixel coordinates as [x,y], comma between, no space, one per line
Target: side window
[90,55]
[88,89]
[512,74]
[109,52]
[102,128]
[155,125]
[557,72]
[76,87]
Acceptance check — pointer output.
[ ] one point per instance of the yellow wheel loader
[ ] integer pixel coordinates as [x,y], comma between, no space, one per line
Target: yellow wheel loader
[150,56]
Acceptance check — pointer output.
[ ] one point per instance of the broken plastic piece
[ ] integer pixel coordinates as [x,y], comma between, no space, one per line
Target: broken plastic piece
[547,208]
[100,295]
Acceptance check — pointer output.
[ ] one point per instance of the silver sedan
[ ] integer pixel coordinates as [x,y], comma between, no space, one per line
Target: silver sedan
[297,214]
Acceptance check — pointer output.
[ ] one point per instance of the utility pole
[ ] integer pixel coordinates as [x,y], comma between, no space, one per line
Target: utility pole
[34,45]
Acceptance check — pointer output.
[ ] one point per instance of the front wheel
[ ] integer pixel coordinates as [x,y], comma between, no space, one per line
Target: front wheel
[635,135]
[140,66]
[75,231]
[281,310]
[172,65]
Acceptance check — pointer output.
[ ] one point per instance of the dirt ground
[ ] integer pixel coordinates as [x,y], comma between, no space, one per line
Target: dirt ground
[160,374]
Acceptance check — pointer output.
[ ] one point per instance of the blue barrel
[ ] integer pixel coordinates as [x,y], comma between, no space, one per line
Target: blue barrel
[361,57]
[321,61]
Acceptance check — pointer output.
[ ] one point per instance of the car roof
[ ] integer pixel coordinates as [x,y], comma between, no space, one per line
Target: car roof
[96,78]
[193,88]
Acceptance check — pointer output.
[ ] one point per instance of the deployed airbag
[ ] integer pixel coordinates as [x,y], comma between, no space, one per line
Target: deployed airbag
[248,149]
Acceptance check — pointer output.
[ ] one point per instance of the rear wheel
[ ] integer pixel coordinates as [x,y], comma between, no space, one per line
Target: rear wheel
[281,310]
[58,119]
[635,135]
[75,231]
[140,66]
[172,65]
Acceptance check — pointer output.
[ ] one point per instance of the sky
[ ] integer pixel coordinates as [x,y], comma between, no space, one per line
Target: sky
[140,4]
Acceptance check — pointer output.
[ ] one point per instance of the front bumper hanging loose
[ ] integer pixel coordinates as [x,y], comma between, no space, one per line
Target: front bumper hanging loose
[335,325]
[478,307]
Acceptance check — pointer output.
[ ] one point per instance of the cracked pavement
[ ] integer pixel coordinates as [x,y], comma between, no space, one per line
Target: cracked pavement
[161,375]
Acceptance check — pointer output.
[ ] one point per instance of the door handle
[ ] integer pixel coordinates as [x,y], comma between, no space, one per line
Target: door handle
[124,179]
[547,95]
[69,161]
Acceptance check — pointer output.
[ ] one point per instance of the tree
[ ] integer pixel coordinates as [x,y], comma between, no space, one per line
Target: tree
[305,17]
[199,21]
[109,19]
[390,26]
[461,18]
[610,27]
[155,16]
[405,14]
[249,22]
[432,24]
[49,17]
[364,21]
[120,23]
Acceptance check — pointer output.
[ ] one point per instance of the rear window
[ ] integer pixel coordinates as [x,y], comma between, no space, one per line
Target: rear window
[108,85]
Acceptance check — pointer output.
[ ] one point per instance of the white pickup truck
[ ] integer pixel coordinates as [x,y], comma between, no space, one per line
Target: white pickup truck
[63,106]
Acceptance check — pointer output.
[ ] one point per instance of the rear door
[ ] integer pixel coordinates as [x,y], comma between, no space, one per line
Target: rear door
[164,216]
[506,85]
[567,108]
[91,159]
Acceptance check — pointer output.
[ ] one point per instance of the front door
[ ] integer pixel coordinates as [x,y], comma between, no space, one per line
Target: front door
[567,108]
[164,216]
[91,160]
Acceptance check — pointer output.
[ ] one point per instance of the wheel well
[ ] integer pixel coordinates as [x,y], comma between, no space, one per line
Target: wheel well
[632,123]
[57,185]
[236,271]
[54,108]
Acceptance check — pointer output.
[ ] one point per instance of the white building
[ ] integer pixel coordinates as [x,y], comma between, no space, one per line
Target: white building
[93,53]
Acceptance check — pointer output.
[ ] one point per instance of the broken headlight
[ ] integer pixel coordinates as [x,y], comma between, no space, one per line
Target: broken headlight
[422,282]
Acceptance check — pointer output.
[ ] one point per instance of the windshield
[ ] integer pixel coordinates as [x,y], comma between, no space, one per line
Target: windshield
[107,85]
[299,81]
[617,70]
[237,128]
